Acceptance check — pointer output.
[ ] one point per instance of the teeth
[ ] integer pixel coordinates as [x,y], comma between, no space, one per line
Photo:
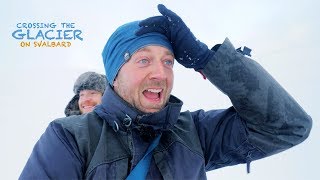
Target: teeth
[87,107]
[154,90]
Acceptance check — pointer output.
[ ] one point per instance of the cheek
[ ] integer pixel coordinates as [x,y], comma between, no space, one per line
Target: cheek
[97,99]
[132,82]
[80,101]
[129,84]
[170,79]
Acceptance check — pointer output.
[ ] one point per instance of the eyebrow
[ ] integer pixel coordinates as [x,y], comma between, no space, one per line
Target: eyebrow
[147,49]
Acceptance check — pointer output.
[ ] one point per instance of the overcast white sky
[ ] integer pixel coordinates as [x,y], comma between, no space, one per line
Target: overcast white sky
[37,82]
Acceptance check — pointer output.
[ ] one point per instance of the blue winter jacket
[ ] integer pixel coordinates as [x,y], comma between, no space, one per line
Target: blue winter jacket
[109,142]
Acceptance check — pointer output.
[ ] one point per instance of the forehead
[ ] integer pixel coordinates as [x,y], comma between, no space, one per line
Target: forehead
[88,90]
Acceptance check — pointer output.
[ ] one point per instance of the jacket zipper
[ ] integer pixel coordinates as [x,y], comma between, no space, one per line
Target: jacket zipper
[130,144]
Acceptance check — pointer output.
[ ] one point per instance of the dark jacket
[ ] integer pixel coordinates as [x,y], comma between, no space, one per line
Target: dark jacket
[109,142]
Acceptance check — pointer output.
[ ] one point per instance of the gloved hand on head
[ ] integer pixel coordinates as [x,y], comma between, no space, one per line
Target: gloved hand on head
[188,50]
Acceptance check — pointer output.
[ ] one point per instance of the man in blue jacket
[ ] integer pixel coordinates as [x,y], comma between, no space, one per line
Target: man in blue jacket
[138,132]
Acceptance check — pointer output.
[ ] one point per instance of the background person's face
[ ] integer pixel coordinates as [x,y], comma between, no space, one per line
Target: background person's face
[146,80]
[88,99]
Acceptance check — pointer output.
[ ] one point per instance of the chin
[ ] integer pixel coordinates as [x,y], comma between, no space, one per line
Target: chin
[153,109]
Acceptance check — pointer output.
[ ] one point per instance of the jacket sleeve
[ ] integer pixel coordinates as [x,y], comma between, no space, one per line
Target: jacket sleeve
[54,157]
[264,119]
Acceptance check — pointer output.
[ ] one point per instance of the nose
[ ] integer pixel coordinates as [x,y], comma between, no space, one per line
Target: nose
[158,72]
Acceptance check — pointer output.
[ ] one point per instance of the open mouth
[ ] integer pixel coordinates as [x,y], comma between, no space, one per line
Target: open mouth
[153,94]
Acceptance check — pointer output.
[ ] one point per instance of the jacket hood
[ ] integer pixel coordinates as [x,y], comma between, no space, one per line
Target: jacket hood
[72,107]
[121,115]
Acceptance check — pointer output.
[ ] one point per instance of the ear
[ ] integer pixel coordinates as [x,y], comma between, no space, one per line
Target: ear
[115,83]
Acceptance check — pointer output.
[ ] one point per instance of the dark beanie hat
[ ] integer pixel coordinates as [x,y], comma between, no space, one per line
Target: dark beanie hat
[86,81]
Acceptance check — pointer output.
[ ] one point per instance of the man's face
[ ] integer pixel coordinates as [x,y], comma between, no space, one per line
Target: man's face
[146,80]
[88,99]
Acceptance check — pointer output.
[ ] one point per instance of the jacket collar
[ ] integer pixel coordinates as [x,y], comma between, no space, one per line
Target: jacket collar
[121,115]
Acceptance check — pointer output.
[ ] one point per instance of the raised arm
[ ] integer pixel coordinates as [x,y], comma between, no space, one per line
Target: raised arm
[264,119]
[274,119]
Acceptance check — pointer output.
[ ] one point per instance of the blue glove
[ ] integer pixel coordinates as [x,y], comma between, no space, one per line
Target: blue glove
[188,51]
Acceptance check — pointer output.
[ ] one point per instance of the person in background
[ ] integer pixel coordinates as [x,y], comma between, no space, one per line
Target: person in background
[88,89]
[139,131]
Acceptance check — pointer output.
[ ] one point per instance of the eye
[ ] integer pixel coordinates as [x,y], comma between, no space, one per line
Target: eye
[143,61]
[168,62]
